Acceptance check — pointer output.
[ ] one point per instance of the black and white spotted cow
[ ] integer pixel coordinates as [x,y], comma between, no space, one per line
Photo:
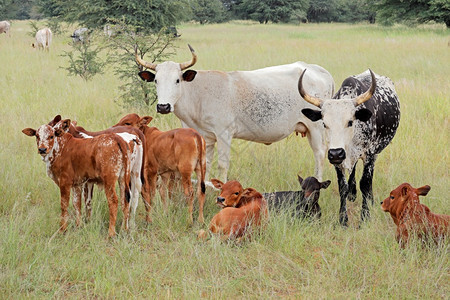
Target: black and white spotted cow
[359,123]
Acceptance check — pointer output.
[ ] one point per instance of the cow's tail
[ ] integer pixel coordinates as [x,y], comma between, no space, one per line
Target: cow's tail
[201,147]
[47,38]
[126,165]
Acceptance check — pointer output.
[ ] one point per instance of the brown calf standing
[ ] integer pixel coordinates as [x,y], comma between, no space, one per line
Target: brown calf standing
[411,216]
[136,145]
[243,211]
[71,162]
[170,153]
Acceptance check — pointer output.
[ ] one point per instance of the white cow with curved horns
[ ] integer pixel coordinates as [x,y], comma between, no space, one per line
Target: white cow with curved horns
[261,106]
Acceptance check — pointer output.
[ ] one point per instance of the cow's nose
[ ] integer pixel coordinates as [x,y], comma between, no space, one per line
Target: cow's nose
[220,199]
[163,108]
[42,150]
[336,156]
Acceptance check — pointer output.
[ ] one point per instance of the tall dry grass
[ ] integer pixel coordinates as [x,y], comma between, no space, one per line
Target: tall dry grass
[292,259]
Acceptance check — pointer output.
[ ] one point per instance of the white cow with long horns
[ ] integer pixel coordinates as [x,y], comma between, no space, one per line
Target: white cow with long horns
[260,106]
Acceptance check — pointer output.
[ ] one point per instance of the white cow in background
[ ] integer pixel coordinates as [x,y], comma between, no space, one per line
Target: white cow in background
[43,39]
[261,106]
[4,27]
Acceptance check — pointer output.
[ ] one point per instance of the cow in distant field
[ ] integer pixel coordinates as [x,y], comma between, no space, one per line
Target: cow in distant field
[260,106]
[170,154]
[71,162]
[360,121]
[80,35]
[243,211]
[4,27]
[305,202]
[412,217]
[136,145]
[43,39]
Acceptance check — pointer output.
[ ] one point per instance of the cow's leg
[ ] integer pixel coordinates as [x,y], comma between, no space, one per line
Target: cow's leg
[65,197]
[223,151]
[172,184]
[136,188]
[125,203]
[210,143]
[352,185]
[200,193]
[365,184]
[165,177]
[343,192]
[148,192]
[319,150]
[76,199]
[188,191]
[88,189]
[111,196]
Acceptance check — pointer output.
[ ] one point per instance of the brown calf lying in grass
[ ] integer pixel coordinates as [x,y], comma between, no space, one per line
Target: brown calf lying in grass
[243,211]
[412,217]
[169,154]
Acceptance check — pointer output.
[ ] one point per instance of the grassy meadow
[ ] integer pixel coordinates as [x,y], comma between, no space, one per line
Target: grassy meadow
[291,259]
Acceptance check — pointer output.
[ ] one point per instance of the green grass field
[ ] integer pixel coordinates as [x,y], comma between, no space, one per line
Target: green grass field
[291,259]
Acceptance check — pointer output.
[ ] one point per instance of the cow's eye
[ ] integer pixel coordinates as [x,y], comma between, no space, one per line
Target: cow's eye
[392,197]
[127,123]
[156,81]
[350,123]
[178,81]
[51,137]
[237,193]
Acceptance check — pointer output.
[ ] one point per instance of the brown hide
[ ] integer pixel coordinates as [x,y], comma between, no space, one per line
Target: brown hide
[71,162]
[412,217]
[171,154]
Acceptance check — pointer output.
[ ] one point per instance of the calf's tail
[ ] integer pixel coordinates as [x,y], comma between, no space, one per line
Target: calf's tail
[126,164]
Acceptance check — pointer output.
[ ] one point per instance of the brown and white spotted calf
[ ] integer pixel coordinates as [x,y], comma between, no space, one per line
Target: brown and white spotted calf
[170,154]
[136,148]
[71,162]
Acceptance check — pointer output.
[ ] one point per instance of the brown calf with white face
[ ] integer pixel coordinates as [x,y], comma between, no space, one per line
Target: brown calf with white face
[411,216]
[71,162]
[243,211]
[136,148]
[170,153]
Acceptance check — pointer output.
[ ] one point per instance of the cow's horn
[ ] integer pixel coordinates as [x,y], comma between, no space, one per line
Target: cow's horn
[151,66]
[313,100]
[188,64]
[368,94]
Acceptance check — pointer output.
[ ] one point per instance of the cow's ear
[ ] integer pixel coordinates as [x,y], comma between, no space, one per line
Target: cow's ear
[300,179]
[363,114]
[423,190]
[55,120]
[405,191]
[189,75]
[144,121]
[147,76]
[59,132]
[29,131]
[313,115]
[217,183]
[325,184]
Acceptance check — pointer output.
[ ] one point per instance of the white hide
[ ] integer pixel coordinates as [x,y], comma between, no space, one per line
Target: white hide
[262,105]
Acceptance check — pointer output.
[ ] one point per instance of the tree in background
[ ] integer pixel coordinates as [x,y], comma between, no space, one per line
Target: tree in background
[265,11]
[413,11]
[208,11]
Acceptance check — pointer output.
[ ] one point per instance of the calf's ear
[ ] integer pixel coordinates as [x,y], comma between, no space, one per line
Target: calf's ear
[29,131]
[147,76]
[217,183]
[145,121]
[55,120]
[325,184]
[313,115]
[65,124]
[59,132]
[405,191]
[363,114]
[423,190]
[189,75]
[300,179]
